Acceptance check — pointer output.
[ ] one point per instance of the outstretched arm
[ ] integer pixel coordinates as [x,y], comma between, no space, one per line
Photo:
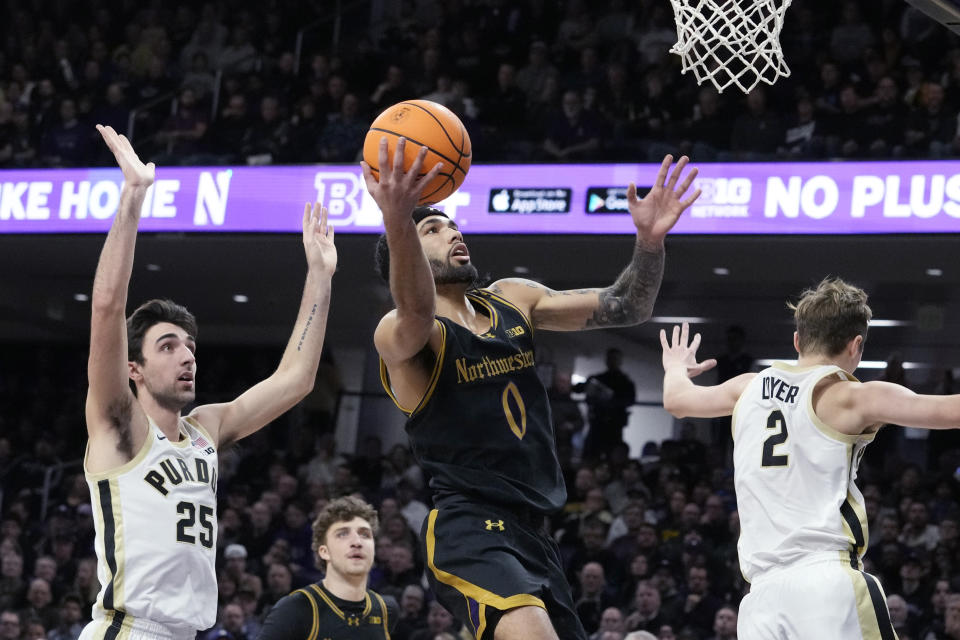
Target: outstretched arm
[404,332]
[296,374]
[681,397]
[115,423]
[630,299]
[853,407]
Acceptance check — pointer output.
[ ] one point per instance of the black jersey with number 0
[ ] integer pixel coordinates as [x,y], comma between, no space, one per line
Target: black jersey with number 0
[483,427]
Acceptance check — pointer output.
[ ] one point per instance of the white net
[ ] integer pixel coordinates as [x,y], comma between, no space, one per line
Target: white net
[731,42]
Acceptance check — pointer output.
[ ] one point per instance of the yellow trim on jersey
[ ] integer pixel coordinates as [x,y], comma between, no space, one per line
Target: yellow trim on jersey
[866,615]
[315,627]
[434,375]
[368,605]
[126,625]
[193,422]
[385,382]
[470,617]
[503,300]
[126,629]
[329,602]
[822,426]
[99,549]
[125,467]
[786,366]
[861,513]
[494,316]
[383,615]
[847,531]
[483,620]
[118,545]
[437,367]
[481,595]
[182,441]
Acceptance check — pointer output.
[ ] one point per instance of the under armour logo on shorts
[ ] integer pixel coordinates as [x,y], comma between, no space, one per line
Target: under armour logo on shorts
[491,524]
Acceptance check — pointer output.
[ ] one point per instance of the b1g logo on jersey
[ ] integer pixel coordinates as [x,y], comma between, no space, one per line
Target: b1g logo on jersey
[516,331]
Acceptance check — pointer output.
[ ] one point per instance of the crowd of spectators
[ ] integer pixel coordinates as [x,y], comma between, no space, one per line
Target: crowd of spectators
[648,542]
[226,82]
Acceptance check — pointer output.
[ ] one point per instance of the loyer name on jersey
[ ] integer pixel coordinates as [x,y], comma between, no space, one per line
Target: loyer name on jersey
[175,471]
[774,387]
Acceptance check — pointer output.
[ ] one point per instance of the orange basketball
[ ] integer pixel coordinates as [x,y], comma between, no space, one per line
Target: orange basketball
[423,123]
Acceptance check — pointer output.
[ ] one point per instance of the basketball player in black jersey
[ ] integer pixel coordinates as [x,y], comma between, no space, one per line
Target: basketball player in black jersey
[459,361]
[340,605]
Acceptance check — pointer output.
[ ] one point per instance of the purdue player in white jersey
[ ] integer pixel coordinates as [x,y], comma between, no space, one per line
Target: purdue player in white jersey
[799,432]
[152,472]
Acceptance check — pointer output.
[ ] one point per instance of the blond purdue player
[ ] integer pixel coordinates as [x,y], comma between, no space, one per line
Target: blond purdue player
[799,432]
[152,472]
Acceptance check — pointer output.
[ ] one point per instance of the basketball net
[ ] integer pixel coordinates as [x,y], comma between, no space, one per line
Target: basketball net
[731,42]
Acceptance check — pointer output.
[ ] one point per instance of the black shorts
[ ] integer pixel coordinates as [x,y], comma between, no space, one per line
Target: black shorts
[484,560]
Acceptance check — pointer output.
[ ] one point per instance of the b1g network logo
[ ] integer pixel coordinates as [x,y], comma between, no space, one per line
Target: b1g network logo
[350,204]
[722,198]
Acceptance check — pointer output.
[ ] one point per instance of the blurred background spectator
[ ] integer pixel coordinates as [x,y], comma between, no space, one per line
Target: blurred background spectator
[578,83]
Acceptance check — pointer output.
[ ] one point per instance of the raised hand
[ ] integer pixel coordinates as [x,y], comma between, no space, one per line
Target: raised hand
[660,209]
[681,352]
[135,173]
[318,239]
[396,192]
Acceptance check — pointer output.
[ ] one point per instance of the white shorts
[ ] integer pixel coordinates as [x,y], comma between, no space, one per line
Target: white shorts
[819,600]
[117,626]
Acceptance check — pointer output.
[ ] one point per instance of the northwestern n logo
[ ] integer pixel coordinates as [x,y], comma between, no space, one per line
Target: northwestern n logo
[491,524]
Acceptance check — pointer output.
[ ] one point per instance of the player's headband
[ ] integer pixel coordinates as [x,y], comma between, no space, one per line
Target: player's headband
[425,212]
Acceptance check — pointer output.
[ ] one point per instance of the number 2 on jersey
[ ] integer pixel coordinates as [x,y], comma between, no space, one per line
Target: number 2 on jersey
[775,421]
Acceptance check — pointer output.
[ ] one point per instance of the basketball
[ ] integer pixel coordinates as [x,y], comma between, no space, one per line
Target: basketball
[423,123]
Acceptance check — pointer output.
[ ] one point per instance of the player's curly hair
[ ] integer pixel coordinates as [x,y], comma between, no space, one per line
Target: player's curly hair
[381,255]
[830,316]
[154,312]
[340,510]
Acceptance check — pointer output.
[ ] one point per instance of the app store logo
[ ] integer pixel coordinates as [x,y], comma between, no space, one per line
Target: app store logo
[529,200]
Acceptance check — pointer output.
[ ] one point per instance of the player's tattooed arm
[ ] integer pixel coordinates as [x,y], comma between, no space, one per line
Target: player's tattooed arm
[626,302]
[630,299]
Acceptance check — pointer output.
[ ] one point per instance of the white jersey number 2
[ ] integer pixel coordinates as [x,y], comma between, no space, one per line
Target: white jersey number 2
[775,421]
